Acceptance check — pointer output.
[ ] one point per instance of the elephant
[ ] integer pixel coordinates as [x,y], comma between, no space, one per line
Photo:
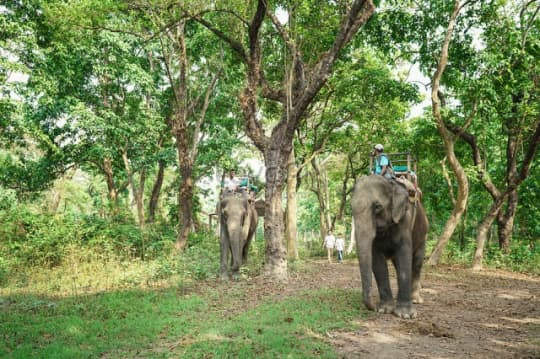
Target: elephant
[388,225]
[238,222]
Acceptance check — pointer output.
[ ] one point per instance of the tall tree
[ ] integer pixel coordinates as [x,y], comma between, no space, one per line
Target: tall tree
[308,74]
[449,141]
[511,95]
[189,109]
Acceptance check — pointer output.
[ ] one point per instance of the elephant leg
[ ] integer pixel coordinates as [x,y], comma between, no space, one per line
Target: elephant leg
[417,261]
[224,247]
[365,260]
[403,263]
[245,254]
[236,260]
[224,243]
[245,250]
[380,269]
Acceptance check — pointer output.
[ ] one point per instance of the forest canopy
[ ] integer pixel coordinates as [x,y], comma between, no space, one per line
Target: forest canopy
[119,119]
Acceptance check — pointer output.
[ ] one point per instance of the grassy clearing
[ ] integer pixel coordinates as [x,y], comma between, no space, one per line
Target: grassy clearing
[172,306]
[171,323]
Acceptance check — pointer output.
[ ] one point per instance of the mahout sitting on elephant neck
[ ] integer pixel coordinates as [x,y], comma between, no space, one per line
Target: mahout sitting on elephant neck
[388,226]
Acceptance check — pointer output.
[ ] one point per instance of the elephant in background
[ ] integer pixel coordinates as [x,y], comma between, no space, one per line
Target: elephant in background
[238,222]
[389,226]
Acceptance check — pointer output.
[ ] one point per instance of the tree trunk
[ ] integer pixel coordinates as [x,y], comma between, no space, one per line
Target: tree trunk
[352,243]
[292,231]
[185,206]
[483,231]
[320,188]
[156,191]
[275,265]
[463,182]
[505,222]
[345,191]
[111,187]
[137,193]
[58,194]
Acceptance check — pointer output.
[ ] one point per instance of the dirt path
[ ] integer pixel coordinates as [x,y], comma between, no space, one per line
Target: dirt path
[489,314]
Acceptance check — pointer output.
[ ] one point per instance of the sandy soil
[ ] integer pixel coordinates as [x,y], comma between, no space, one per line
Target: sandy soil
[465,314]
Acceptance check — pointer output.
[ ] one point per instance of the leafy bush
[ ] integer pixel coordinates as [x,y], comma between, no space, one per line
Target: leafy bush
[523,256]
[8,199]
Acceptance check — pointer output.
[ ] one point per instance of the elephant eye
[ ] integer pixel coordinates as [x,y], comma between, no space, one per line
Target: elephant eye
[377,207]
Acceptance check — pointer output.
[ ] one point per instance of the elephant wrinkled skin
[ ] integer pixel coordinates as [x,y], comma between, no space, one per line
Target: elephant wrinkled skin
[388,226]
[238,222]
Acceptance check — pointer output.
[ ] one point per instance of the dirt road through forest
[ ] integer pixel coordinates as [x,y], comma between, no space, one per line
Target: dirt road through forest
[488,314]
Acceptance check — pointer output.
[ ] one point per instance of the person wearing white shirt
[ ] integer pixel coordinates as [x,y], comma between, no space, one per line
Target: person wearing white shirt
[231,183]
[329,242]
[340,245]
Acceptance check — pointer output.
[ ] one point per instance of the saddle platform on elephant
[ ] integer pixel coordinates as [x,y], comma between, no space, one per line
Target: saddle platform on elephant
[404,167]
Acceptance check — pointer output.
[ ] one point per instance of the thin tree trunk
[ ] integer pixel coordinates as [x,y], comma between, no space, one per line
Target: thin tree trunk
[352,243]
[111,187]
[483,231]
[59,192]
[185,207]
[292,231]
[137,193]
[448,181]
[156,191]
[505,222]
[463,183]
[344,192]
[320,187]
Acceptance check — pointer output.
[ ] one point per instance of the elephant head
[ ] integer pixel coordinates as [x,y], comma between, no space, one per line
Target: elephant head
[238,221]
[388,226]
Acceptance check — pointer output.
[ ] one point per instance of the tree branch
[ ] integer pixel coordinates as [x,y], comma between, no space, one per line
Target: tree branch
[202,115]
[236,46]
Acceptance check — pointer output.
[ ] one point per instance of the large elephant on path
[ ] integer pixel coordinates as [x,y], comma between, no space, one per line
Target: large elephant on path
[388,225]
[238,222]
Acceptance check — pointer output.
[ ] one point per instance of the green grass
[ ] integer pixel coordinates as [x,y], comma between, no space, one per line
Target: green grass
[90,326]
[170,323]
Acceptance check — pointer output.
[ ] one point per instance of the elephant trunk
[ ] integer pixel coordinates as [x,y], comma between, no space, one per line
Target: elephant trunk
[236,250]
[364,236]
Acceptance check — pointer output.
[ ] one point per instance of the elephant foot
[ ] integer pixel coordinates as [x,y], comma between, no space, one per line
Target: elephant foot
[369,304]
[405,311]
[236,277]
[386,307]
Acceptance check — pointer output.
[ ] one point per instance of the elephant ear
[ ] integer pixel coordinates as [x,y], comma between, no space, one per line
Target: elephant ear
[400,202]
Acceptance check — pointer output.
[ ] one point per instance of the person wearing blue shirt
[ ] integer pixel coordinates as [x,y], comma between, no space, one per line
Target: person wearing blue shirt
[382,163]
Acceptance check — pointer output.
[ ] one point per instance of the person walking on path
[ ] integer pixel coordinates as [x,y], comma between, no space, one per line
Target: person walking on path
[329,242]
[340,245]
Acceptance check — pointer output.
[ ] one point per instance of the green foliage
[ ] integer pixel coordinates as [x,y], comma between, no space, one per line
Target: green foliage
[31,239]
[95,95]
[524,255]
[8,199]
